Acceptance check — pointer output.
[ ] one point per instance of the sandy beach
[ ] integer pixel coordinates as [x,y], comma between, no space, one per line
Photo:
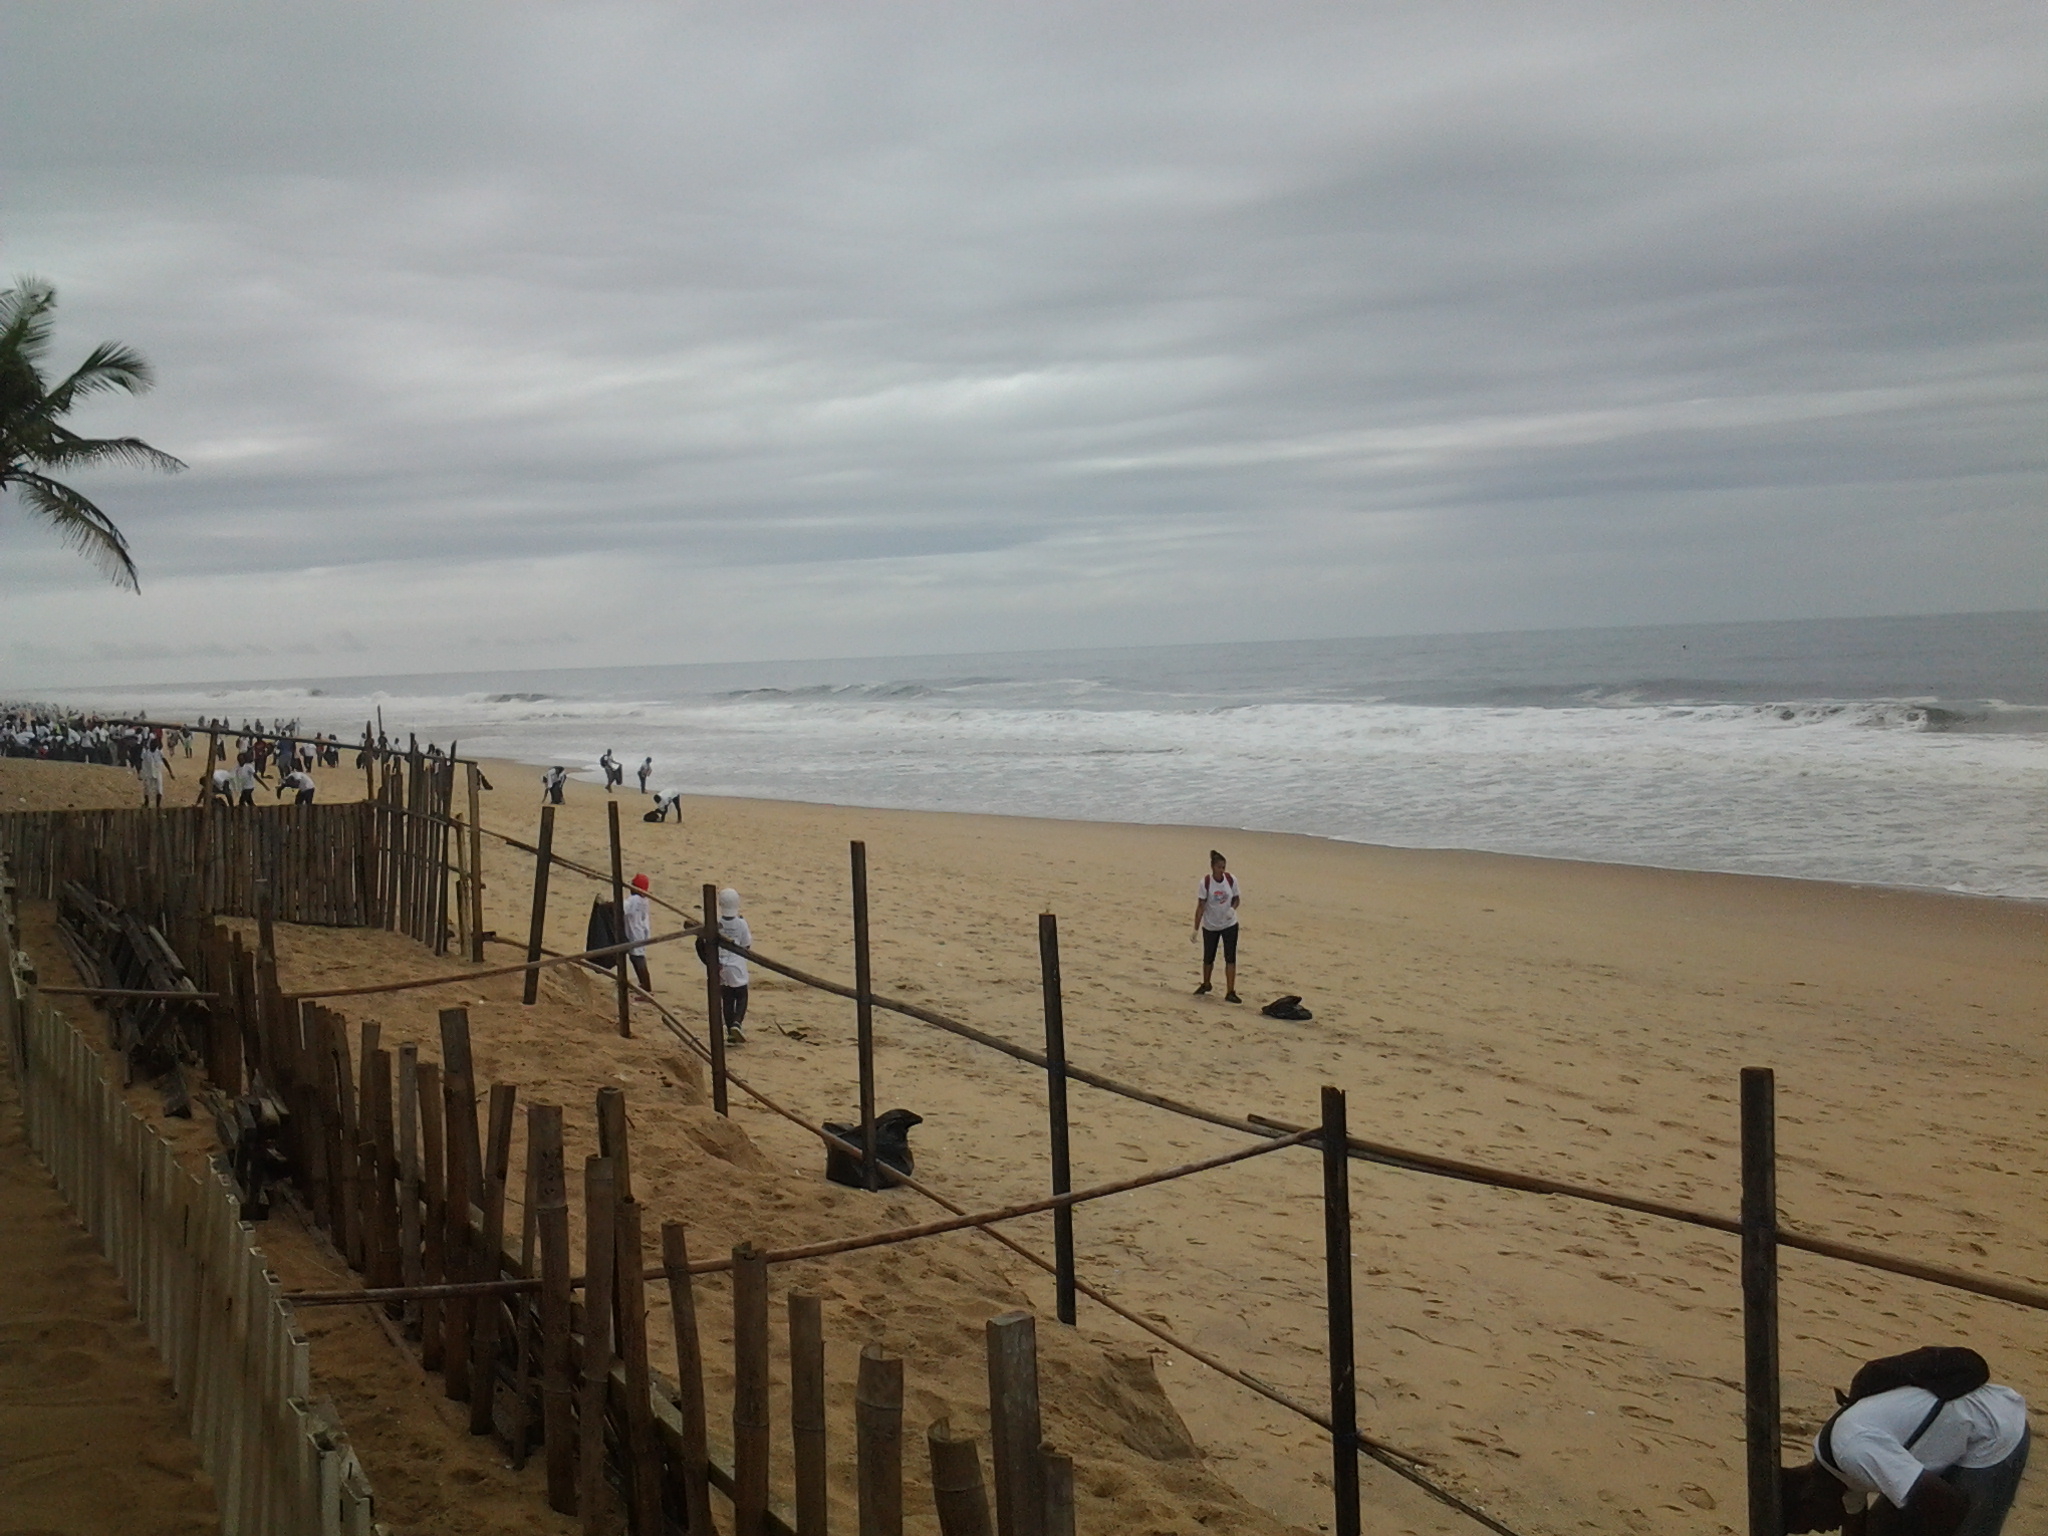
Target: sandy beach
[1566,1367]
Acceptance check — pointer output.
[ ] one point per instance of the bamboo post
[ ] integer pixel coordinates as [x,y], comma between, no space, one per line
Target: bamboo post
[1058,1472]
[1760,1298]
[434,1218]
[465,1164]
[749,1391]
[538,931]
[643,1460]
[600,1248]
[878,1428]
[714,1000]
[696,1452]
[864,1018]
[483,1362]
[369,1035]
[1056,1112]
[807,1410]
[956,1482]
[1343,1356]
[544,1132]
[620,963]
[345,1147]
[385,1160]
[1015,1432]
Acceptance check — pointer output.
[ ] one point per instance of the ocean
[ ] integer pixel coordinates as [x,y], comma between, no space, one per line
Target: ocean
[1892,751]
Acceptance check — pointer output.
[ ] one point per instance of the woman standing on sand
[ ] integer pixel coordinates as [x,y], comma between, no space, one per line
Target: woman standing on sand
[1216,923]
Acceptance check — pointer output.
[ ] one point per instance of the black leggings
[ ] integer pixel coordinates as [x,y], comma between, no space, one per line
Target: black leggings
[1227,937]
[735,1005]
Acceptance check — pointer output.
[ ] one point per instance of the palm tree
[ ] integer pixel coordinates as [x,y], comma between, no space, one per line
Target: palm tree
[33,437]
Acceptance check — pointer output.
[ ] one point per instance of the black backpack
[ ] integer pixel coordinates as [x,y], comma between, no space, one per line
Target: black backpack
[1947,1370]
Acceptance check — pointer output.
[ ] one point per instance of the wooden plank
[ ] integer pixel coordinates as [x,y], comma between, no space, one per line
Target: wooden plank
[620,964]
[465,1161]
[1057,1473]
[434,1216]
[1760,1299]
[409,1262]
[1014,1428]
[537,931]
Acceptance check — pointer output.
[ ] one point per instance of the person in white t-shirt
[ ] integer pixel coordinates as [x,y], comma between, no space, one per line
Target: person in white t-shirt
[1216,924]
[153,766]
[733,975]
[1905,1463]
[639,925]
[299,781]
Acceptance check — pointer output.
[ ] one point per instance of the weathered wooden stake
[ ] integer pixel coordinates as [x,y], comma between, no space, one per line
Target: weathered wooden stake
[1337,1282]
[409,1265]
[956,1482]
[476,867]
[542,862]
[675,1259]
[1058,1472]
[714,999]
[558,1407]
[490,1265]
[600,1247]
[1015,1432]
[527,1341]
[807,1410]
[643,1450]
[465,1181]
[1760,1298]
[621,963]
[434,1218]
[878,1427]
[749,1390]
[1056,1112]
[864,1018]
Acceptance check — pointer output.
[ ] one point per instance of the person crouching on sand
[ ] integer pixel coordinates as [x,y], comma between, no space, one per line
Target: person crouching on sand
[1216,923]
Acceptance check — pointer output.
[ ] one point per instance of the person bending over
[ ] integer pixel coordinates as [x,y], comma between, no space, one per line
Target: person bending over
[301,781]
[1216,924]
[1908,1463]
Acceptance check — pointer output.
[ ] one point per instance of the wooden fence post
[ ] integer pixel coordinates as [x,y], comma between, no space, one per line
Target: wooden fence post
[600,1248]
[558,1408]
[749,1390]
[1015,1432]
[643,1451]
[621,963]
[878,1424]
[807,1410]
[1058,1471]
[434,1216]
[465,1168]
[1760,1298]
[476,867]
[538,930]
[409,1172]
[483,1362]
[1056,1112]
[675,1260]
[864,1019]
[1343,1356]
[956,1482]
[714,1000]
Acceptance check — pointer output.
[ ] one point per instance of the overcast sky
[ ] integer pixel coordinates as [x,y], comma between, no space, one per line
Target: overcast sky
[508,335]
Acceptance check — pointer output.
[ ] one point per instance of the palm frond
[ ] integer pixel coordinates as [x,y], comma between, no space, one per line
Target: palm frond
[110,365]
[25,322]
[67,450]
[81,525]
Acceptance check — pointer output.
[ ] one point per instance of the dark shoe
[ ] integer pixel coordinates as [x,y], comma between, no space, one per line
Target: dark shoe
[1203,988]
[1232,997]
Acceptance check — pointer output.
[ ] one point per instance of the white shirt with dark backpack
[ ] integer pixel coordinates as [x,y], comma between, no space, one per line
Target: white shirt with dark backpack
[1882,1443]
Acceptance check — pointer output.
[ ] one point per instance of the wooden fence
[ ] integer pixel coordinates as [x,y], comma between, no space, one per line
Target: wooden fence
[402,859]
[215,1312]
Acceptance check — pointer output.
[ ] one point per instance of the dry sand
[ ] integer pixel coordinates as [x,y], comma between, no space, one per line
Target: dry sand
[1567,1366]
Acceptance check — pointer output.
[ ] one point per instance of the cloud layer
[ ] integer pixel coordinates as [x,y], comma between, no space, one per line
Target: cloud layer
[585,334]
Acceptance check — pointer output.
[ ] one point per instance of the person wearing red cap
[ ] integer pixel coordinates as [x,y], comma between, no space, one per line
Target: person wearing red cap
[639,928]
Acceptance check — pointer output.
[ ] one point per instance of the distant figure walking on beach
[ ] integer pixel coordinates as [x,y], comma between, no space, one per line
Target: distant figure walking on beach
[646,767]
[732,969]
[152,766]
[1216,923]
[551,784]
[614,774]
[639,925]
